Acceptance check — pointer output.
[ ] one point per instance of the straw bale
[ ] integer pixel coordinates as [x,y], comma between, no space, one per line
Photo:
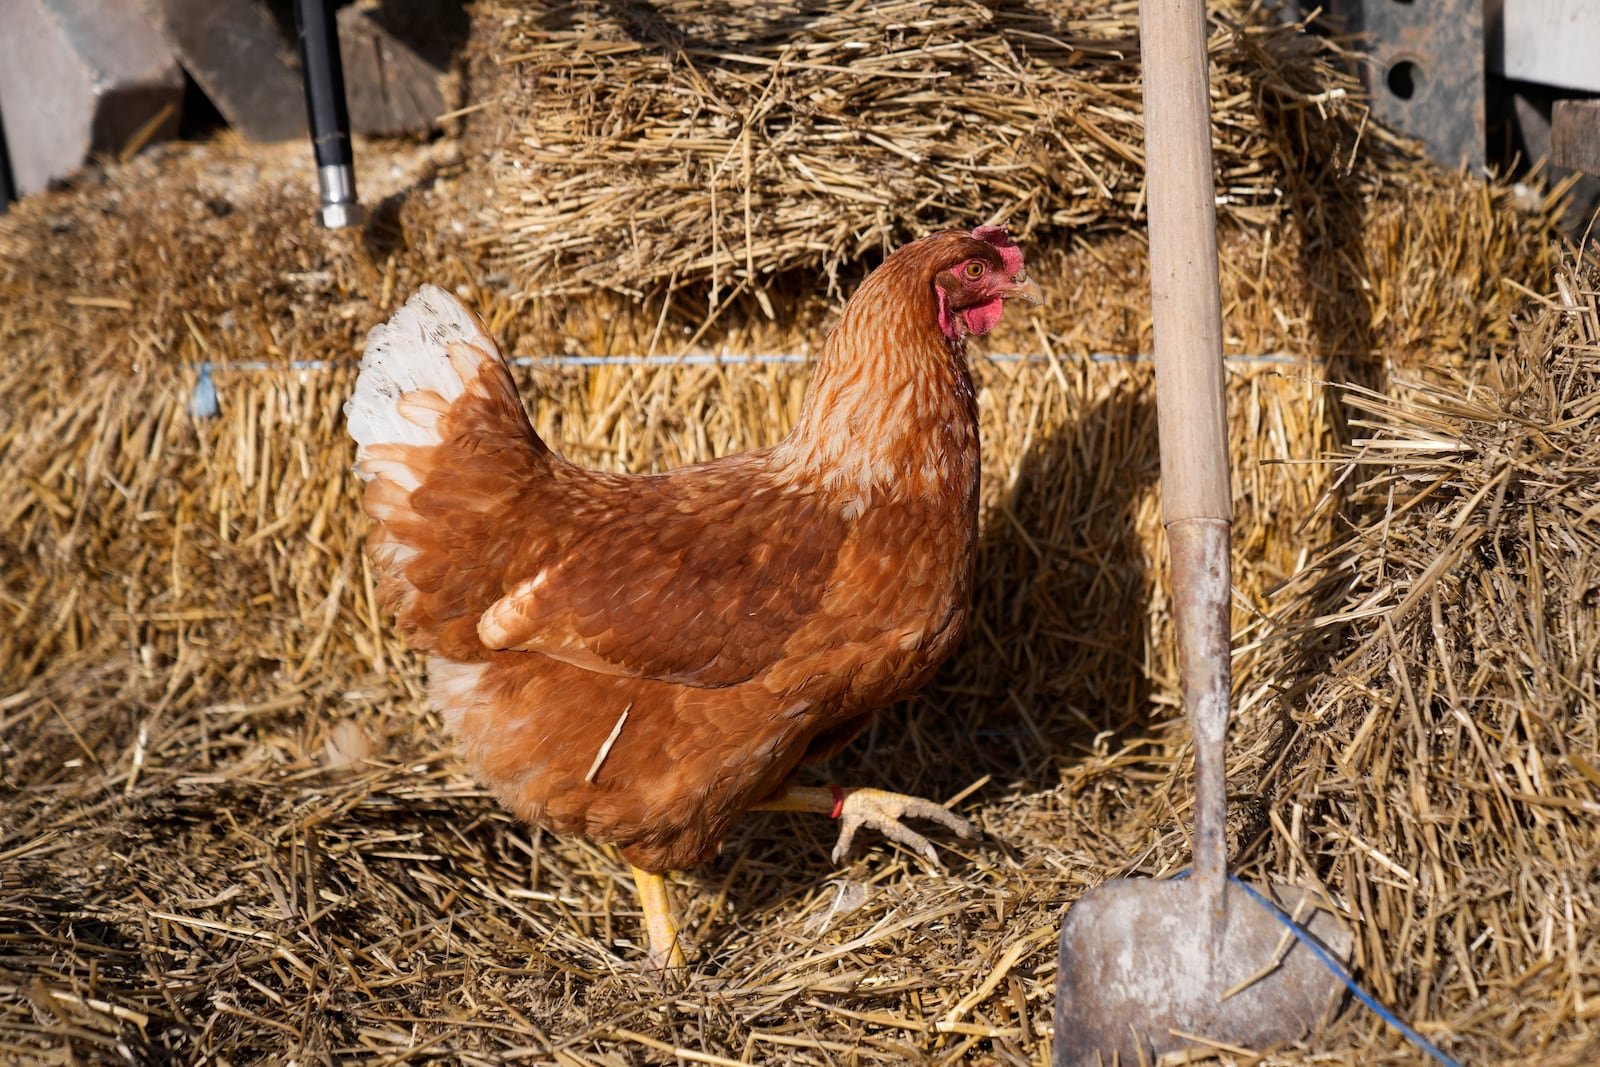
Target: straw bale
[233,832]
[718,144]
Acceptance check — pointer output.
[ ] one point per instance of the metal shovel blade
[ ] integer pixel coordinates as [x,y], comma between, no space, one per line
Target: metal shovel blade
[1143,972]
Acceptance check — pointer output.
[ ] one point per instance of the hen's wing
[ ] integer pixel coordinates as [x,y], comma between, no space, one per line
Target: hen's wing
[698,576]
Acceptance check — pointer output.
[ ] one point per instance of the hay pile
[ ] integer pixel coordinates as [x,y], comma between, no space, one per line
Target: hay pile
[1437,683]
[640,147]
[233,833]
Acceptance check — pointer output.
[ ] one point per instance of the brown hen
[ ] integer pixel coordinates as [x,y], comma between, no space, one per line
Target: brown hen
[641,659]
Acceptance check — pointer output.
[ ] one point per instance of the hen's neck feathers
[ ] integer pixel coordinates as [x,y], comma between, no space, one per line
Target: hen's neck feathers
[891,409]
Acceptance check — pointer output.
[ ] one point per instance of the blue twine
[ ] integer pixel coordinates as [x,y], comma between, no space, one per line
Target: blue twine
[203,403]
[1339,972]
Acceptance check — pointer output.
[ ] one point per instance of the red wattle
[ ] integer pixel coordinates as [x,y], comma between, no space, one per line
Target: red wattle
[981,318]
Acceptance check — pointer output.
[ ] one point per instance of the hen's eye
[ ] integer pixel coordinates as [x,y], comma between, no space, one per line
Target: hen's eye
[974,270]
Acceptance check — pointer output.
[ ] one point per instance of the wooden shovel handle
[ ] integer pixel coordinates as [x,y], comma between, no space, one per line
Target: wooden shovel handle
[1185,298]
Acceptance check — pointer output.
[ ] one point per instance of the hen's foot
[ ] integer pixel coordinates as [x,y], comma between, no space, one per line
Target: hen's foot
[882,811]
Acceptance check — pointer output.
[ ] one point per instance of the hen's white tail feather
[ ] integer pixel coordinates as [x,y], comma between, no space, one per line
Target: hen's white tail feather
[410,352]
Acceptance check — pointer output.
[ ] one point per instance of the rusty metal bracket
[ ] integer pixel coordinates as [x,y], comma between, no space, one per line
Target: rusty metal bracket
[1426,70]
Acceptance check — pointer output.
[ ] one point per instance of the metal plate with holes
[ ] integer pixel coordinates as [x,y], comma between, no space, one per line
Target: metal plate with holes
[1426,70]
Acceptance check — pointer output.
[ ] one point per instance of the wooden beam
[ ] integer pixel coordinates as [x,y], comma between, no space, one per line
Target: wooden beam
[1575,135]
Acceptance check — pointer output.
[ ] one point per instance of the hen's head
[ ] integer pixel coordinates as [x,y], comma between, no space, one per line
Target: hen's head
[977,274]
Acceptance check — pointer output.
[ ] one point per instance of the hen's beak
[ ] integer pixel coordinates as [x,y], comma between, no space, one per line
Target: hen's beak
[1027,289]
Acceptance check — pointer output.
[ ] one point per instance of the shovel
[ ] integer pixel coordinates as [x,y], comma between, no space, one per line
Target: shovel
[1151,967]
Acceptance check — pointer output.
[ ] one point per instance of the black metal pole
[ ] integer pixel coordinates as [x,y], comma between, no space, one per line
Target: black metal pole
[8,184]
[325,108]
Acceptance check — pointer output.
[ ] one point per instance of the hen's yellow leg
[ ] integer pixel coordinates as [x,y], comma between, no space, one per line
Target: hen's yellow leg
[666,953]
[855,808]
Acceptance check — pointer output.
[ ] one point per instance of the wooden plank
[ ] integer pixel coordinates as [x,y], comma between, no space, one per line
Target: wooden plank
[1575,135]
[1549,42]
[394,55]
[80,77]
[236,52]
